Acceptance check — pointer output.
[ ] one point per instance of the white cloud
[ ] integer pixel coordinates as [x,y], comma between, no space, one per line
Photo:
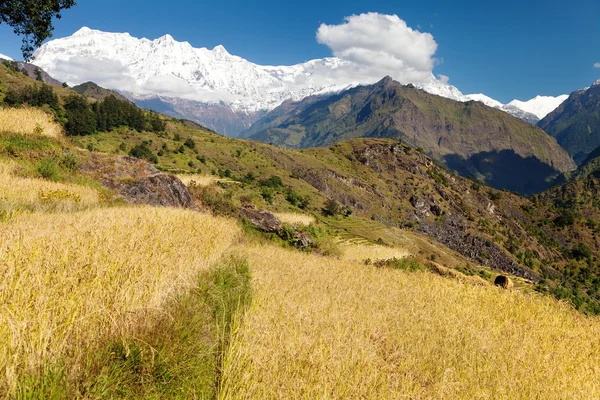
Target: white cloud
[597,65]
[104,72]
[376,45]
[113,74]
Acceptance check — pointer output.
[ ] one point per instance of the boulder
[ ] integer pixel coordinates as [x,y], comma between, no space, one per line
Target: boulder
[261,219]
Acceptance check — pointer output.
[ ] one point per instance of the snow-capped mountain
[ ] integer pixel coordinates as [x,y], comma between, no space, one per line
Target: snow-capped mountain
[540,106]
[200,84]
[3,57]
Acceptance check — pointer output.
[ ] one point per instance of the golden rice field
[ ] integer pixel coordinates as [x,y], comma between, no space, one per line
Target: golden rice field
[70,282]
[359,252]
[18,193]
[322,328]
[295,219]
[29,121]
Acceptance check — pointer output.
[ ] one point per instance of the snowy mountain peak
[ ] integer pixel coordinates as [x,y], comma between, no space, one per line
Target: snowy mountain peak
[488,101]
[3,57]
[596,83]
[540,106]
[170,69]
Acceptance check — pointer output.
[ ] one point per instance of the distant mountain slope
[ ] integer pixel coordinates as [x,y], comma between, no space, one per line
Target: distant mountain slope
[90,89]
[576,123]
[471,138]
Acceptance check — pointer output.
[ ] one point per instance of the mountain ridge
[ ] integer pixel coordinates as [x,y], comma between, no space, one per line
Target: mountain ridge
[197,78]
[470,137]
[576,122]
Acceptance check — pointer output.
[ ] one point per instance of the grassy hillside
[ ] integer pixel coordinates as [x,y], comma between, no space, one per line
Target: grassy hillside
[471,138]
[103,299]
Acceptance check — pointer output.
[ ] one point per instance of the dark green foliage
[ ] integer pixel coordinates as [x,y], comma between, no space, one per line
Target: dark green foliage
[495,196]
[37,96]
[248,178]
[268,194]
[142,151]
[81,120]
[32,19]
[581,251]
[156,124]
[296,199]
[565,218]
[274,182]
[332,208]
[189,142]
[112,113]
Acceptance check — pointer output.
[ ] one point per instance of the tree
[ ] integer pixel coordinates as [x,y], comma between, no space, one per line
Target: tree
[81,118]
[32,19]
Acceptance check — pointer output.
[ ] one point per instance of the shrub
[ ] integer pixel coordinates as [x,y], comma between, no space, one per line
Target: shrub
[142,151]
[566,218]
[69,162]
[332,208]
[48,168]
[190,143]
[581,251]
[268,194]
[274,182]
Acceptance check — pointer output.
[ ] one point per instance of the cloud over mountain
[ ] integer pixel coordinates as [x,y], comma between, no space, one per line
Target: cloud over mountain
[377,45]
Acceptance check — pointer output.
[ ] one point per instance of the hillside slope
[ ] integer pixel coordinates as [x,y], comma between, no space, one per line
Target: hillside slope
[471,138]
[576,123]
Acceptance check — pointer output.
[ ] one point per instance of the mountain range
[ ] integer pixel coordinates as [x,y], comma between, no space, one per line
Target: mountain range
[468,137]
[222,91]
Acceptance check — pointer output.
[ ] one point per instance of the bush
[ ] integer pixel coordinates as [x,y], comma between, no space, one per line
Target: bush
[268,194]
[332,208]
[566,218]
[274,182]
[48,168]
[581,251]
[142,151]
[190,143]
[69,162]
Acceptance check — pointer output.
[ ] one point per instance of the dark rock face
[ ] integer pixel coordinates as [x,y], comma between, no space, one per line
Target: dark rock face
[159,189]
[138,182]
[263,220]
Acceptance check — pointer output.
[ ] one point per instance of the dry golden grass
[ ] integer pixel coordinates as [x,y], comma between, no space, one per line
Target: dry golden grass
[71,282]
[18,193]
[28,121]
[201,180]
[359,252]
[324,328]
[295,218]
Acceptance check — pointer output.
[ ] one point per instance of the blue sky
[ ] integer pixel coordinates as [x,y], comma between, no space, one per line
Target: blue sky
[509,49]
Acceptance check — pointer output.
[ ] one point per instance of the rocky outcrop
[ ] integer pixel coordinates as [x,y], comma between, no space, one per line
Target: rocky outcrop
[138,182]
[261,219]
